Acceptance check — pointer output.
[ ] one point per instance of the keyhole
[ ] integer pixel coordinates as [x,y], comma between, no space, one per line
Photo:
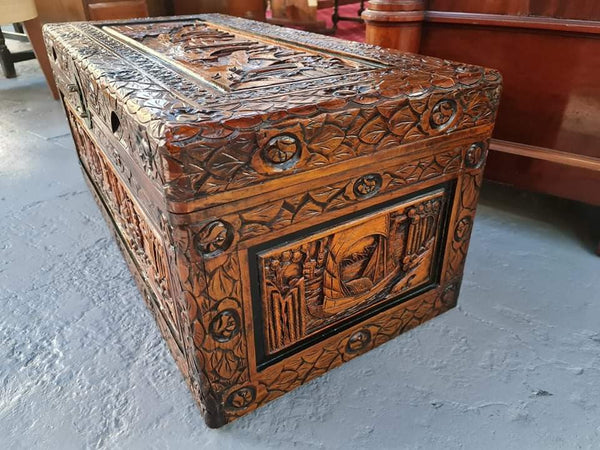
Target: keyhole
[115,123]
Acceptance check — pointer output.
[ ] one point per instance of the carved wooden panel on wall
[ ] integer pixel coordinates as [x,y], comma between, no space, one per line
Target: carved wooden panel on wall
[285,201]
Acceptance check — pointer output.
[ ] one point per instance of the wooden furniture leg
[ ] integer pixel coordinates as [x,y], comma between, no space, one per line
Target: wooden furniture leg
[6,60]
[335,17]
[18,34]
[34,31]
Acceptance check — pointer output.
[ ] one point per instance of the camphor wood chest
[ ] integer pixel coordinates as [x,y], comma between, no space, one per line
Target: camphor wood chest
[285,201]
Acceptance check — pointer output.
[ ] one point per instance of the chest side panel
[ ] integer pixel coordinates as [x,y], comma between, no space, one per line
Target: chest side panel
[149,245]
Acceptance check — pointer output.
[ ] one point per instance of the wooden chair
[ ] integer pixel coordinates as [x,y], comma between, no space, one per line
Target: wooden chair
[335,17]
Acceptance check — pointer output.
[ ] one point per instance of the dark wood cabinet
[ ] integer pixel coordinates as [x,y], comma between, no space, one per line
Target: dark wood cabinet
[249,9]
[51,11]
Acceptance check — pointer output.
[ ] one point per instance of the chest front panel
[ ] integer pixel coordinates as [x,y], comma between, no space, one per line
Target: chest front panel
[332,275]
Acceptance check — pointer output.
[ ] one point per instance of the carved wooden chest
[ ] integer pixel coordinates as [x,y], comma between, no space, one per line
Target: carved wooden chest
[285,201]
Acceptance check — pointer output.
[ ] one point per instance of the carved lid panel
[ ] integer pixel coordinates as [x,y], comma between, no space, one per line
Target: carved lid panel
[231,60]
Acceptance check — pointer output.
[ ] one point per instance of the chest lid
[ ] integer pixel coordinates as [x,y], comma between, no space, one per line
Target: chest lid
[224,106]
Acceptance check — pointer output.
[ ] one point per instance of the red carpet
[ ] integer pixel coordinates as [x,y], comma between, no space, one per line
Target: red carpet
[353,31]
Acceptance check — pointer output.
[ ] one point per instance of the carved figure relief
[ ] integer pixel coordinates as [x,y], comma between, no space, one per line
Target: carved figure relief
[357,263]
[315,282]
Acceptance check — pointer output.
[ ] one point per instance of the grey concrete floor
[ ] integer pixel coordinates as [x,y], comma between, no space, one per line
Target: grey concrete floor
[515,366]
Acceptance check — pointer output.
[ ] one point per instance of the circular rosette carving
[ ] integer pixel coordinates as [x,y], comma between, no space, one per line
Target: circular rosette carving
[241,398]
[468,75]
[463,229]
[475,155]
[225,325]
[443,114]
[367,185]
[358,341]
[282,151]
[214,238]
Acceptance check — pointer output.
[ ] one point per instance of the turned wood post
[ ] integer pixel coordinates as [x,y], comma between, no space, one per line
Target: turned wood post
[34,32]
[395,23]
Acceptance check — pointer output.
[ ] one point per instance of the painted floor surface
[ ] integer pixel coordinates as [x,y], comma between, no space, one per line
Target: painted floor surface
[515,366]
